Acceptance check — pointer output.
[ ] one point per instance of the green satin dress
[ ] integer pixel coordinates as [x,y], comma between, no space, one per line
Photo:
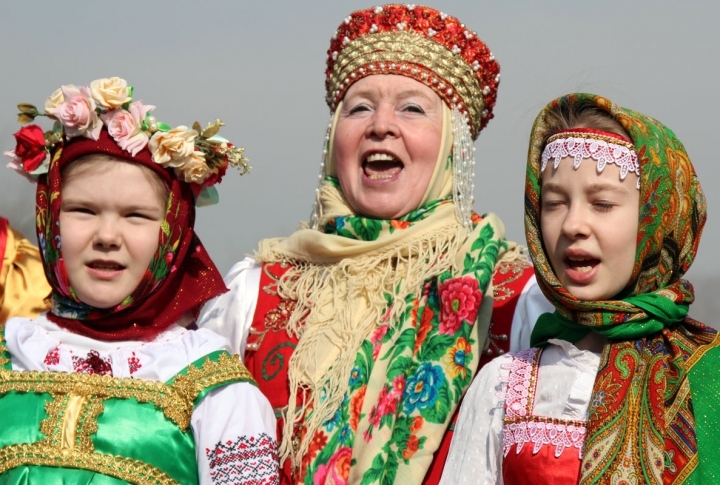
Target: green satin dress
[67,428]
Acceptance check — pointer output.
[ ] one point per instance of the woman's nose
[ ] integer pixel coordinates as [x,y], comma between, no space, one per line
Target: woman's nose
[383,123]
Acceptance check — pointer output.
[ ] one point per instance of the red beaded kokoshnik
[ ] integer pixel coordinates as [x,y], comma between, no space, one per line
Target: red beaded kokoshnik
[419,42]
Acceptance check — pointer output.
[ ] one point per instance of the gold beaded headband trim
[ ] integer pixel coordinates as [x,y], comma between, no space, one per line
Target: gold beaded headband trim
[603,147]
[421,43]
[415,56]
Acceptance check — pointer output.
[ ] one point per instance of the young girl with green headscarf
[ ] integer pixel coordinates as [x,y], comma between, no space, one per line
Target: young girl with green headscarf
[619,386]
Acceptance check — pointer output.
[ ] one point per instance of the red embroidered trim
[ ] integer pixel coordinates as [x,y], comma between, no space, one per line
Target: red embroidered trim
[134,363]
[249,460]
[93,364]
[52,357]
[593,131]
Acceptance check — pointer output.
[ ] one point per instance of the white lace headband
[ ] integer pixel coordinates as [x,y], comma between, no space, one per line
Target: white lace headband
[603,148]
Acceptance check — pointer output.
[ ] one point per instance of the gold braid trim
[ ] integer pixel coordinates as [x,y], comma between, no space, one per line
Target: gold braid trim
[212,373]
[43,454]
[446,73]
[3,349]
[175,400]
[78,400]
[57,451]
[56,425]
[174,406]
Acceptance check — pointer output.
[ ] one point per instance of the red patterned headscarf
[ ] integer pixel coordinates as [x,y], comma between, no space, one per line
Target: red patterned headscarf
[181,275]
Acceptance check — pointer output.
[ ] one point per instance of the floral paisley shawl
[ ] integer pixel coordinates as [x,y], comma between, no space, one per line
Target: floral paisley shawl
[410,375]
[641,423]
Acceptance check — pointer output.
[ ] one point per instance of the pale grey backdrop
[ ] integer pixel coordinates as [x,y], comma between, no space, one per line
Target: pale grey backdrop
[259,66]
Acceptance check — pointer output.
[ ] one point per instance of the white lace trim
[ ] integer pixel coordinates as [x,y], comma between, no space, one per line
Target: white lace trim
[581,146]
[521,426]
[517,394]
[540,433]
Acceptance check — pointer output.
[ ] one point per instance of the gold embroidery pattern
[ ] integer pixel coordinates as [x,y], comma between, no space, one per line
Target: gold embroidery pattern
[275,319]
[212,373]
[57,450]
[175,407]
[57,425]
[43,454]
[3,349]
[88,424]
[78,400]
[175,400]
[501,292]
[270,288]
[387,53]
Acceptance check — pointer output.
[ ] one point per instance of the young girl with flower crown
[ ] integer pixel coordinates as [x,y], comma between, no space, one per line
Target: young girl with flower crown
[621,385]
[108,386]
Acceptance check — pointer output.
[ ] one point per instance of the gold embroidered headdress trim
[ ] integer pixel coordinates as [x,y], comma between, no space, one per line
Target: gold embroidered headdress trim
[419,42]
[413,56]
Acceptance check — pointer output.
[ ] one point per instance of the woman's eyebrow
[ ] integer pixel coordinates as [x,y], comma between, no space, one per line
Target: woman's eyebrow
[413,92]
[601,187]
[591,188]
[551,187]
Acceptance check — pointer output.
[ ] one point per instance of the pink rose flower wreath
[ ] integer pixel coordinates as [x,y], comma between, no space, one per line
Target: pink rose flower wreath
[197,156]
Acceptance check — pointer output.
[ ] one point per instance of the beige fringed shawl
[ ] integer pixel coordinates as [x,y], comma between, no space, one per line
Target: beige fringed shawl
[343,286]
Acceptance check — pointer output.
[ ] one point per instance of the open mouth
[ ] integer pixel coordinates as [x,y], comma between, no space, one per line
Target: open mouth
[105,266]
[379,166]
[581,265]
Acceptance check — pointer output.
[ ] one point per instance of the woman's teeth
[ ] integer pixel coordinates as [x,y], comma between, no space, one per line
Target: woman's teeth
[577,264]
[376,157]
[380,166]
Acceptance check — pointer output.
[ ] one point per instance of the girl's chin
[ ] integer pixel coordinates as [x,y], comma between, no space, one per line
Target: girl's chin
[589,292]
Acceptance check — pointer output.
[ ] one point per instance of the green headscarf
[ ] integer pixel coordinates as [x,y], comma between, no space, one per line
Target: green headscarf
[641,425]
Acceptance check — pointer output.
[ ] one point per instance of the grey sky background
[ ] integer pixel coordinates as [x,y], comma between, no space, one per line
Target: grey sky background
[259,66]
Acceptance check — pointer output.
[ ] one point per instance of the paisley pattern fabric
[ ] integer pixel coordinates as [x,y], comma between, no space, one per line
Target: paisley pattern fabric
[641,424]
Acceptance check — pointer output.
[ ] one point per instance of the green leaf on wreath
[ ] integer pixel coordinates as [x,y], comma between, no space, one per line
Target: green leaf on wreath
[28,109]
[24,119]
